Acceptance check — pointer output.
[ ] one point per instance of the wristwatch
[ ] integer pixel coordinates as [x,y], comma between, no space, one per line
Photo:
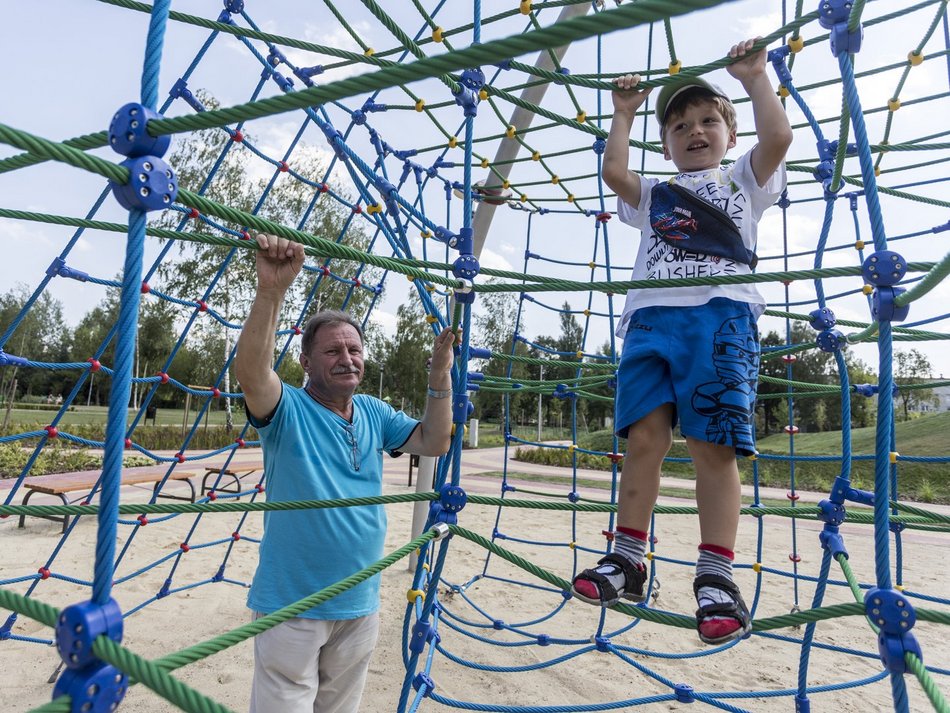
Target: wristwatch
[439,393]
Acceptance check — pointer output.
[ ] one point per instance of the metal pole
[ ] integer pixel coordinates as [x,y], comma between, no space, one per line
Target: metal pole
[539,406]
[380,382]
[420,510]
[521,119]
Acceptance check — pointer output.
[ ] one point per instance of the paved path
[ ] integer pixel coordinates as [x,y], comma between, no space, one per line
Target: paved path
[476,464]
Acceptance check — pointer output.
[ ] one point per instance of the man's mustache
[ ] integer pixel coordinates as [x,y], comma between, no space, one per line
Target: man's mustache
[345,370]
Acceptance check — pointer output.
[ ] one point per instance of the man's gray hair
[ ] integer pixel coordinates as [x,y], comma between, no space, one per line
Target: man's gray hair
[325,318]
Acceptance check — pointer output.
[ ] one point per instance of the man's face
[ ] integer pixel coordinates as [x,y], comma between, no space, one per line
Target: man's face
[697,139]
[335,362]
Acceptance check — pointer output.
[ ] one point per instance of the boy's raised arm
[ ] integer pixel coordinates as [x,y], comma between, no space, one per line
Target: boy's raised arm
[771,123]
[616,172]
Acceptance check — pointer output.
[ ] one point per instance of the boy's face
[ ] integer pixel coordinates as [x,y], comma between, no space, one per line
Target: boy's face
[697,139]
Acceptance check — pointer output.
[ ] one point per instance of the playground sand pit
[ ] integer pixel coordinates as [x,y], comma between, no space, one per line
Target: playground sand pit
[568,671]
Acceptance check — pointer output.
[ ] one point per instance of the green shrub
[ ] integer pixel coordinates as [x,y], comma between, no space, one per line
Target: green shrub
[55,459]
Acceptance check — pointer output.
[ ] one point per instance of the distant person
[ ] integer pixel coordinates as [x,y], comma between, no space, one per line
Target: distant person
[322,441]
[690,353]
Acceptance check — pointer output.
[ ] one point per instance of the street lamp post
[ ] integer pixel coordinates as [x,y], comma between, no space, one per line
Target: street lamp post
[381,369]
[539,403]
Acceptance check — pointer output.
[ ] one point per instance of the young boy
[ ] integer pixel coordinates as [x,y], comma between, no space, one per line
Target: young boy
[690,353]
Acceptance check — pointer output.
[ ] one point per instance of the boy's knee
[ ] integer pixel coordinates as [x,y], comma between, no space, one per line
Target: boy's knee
[649,439]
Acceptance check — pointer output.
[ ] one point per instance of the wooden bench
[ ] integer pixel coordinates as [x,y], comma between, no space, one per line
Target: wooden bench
[233,475]
[64,483]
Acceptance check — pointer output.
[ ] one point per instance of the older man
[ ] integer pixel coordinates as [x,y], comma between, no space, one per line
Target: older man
[322,441]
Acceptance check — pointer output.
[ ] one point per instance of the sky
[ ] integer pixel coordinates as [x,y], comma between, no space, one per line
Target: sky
[77,61]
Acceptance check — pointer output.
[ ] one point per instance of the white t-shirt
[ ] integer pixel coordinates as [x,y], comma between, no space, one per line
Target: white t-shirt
[732,188]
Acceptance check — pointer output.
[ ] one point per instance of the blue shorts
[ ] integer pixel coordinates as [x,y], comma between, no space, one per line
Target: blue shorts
[704,360]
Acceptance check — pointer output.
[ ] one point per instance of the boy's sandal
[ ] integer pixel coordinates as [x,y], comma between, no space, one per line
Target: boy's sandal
[633,577]
[735,609]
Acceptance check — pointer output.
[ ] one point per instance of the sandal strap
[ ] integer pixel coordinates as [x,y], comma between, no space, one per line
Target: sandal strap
[631,573]
[608,593]
[736,608]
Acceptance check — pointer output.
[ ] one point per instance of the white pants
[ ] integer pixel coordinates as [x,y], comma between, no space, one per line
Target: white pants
[312,665]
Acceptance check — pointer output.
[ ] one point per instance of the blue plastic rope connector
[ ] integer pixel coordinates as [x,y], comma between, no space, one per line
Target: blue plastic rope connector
[152,185]
[573,497]
[822,318]
[893,613]
[831,340]
[369,105]
[468,100]
[387,192]
[460,408]
[358,117]
[452,497]
[832,541]
[832,513]
[437,514]
[473,387]
[423,681]
[544,640]
[599,146]
[79,625]
[883,307]
[479,353]
[128,132]
[285,83]
[602,643]
[475,376]
[802,704]
[235,6]
[225,18]
[180,90]
[833,12]
[275,57]
[884,267]
[504,64]
[94,689]
[683,693]
[865,389]
[896,527]
[11,360]
[335,139]
[59,268]
[851,149]
[844,42]
[307,72]
[422,633]
[466,266]
[842,490]
[777,58]
[444,235]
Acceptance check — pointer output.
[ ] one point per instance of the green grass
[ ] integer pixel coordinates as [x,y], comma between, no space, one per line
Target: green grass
[922,482]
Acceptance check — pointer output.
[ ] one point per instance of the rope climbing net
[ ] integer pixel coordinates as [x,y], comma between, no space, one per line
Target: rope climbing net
[399,134]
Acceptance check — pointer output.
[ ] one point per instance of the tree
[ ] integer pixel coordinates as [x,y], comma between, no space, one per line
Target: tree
[405,357]
[297,202]
[912,368]
[494,326]
[43,336]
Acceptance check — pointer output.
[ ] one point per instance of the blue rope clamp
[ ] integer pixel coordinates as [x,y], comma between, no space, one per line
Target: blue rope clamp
[470,83]
[59,268]
[822,318]
[422,633]
[833,15]
[831,340]
[128,132]
[423,681]
[152,185]
[92,684]
[892,612]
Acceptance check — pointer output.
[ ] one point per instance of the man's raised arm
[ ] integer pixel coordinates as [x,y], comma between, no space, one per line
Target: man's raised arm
[278,263]
[434,435]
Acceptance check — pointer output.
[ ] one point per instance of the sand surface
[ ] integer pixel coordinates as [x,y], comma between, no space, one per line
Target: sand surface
[480,611]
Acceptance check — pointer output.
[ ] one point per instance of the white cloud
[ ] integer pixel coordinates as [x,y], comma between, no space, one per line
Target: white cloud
[385,320]
[491,259]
